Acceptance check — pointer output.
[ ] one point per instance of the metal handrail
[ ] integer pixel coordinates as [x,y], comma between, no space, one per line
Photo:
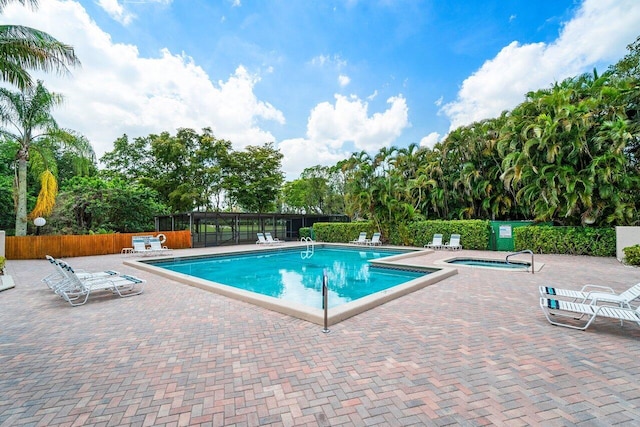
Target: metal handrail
[526,251]
[308,253]
[325,301]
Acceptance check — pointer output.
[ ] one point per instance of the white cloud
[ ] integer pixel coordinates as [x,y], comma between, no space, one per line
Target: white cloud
[343,80]
[332,128]
[599,32]
[116,11]
[117,91]
[430,140]
[334,61]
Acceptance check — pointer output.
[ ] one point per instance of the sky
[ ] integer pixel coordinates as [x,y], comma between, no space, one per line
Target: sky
[322,79]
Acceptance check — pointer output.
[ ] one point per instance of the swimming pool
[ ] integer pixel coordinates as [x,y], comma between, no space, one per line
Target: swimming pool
[499,264]
[292,286]
[288,276]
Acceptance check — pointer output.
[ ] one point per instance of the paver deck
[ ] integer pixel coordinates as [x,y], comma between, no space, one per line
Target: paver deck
[474,350]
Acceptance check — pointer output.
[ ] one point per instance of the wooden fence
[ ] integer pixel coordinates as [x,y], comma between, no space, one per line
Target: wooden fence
[35,247]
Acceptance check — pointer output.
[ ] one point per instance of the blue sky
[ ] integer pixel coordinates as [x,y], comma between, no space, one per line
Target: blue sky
[321,79]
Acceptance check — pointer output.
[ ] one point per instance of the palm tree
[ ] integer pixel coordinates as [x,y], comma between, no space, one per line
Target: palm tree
[23,48]
[27,120]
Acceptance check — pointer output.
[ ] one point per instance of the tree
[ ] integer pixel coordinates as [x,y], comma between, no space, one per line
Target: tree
[93,204]
[23,48]
[254,178]
[28,122]
[187,170]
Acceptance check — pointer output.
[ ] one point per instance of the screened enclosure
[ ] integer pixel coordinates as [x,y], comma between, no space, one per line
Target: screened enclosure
[227,228]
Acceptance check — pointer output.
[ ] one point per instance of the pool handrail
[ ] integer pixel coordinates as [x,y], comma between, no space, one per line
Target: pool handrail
[525,251]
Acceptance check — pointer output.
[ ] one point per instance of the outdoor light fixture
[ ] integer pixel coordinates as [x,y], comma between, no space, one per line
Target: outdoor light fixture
[39,222]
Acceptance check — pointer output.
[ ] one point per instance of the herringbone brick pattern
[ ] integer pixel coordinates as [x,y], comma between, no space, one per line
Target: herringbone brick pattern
[472,350]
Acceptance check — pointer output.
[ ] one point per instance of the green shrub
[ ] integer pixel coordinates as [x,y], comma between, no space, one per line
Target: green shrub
[474,233]
[342,232]
[566,240]
[632,255]
[3,260]
[305,232]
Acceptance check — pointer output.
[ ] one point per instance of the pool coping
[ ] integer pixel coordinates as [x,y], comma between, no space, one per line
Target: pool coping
[447,261]
[300,311]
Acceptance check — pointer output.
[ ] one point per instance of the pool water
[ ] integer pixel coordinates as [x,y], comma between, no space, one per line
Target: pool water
[514,265]
[292,275]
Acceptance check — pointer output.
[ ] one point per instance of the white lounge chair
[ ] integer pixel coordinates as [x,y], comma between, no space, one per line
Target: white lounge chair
[157,247]
[271,240]
[594,294]
[454,243]
[140,247]
[435,243]
[361,240]
[60,276]
[261,239]
[76,291]
[375,240]
[553,307]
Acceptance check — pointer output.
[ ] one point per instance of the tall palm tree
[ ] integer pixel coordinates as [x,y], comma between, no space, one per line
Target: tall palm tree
[23,48]
[27,120]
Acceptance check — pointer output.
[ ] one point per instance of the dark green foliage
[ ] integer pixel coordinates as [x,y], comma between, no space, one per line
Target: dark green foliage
[254,178]
[93,205]
[632,255]
[342,232]
[474,234]
[305,232]
[600,241]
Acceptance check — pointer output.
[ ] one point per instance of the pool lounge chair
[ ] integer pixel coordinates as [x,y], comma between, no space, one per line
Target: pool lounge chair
[271,240]
[375,240]
[594,294]
[157,248]
[140,248]
[435,243]
[261,239]
[60,276]
[361,240]
[553,307]
[76,291]
[454,243]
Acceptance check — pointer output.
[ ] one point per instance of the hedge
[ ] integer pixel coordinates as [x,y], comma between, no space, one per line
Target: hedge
[566,240]
[474,233]
[632,255]
[341,232]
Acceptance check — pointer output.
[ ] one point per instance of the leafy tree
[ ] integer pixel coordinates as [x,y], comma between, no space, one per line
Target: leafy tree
[318,190]
[255,178]
[130,161]
[187,170]
[93,204]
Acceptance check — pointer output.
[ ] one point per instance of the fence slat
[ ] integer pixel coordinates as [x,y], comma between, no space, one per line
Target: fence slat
[35,247]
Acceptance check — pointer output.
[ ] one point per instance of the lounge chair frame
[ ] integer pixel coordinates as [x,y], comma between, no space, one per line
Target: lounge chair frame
[593,294]
[552,308]
[435,243]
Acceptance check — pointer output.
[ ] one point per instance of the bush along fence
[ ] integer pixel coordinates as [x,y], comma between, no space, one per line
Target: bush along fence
[476,234]
[35,247]
[566,240]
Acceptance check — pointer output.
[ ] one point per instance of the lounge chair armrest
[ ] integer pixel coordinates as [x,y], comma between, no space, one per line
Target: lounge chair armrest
[588,287]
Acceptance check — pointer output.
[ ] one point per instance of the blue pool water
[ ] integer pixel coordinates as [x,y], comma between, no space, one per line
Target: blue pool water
[513,265]
[287,275]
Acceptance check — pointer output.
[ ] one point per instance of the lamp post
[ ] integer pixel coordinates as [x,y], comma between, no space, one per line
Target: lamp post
[39,222]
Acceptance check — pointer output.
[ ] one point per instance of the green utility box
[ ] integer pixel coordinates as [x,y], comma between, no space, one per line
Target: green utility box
[501,238]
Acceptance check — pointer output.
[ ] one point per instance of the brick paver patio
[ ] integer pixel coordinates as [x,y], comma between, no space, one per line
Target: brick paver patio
[472,350]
